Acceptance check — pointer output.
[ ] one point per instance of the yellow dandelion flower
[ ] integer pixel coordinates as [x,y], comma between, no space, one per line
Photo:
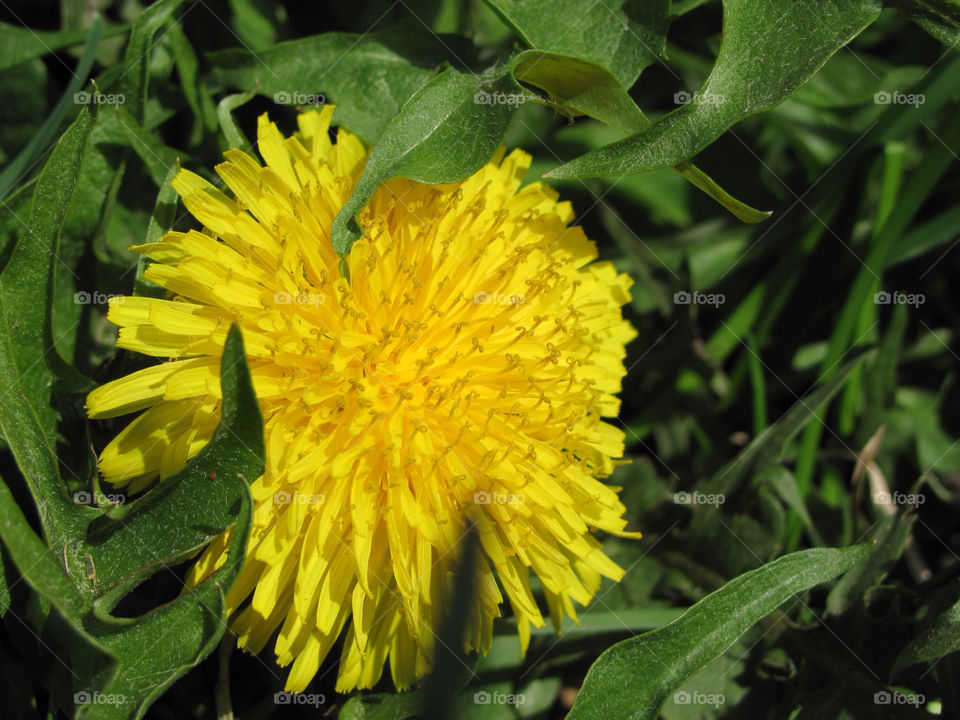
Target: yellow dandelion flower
[459,376]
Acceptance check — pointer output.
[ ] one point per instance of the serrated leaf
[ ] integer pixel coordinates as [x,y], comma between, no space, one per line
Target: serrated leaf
[759,64]
[14,215]
[136,659]
[369,76]
[187,510]
[38,567]
[632,679]
[34,559]
[29,364]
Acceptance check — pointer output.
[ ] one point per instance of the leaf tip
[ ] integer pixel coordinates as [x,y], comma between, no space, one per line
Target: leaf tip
[754,216]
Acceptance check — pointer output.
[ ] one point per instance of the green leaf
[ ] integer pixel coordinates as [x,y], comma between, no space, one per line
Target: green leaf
[886,546]
[199,100]
[156,157]
[707,184]
[382,706]
[539,696]
[632,679]
[161,222]
[23,99]
[107,652]
[34,559]
[187,510]
[917,415]
[27,419]
[925,238]
[785,486]
[103,176]
[131,77]
[369,76]
[941,638]
[581,87]
[255,22]
[505,653]
[21,164]
[14,215]
[19,44]
[940,18]
[744,80]
[624,36]
[446,131]
[231,133]
[764,452]
[921,183]
[192,624]
[448,671]
[38,567]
